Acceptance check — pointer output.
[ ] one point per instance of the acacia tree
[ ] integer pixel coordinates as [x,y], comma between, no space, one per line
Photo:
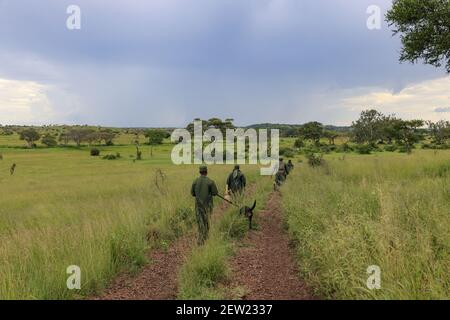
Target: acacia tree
[331,136]
[368,128]
[408,133]
[155,137]
[440,131]
[30,135]
[49,140]
[424,28]
[311,131]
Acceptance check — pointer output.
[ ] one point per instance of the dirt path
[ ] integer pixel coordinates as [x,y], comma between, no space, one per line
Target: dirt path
[158,279]
[264,266]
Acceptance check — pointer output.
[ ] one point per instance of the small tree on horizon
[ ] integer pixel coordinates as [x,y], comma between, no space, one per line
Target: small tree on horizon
[155,137]
[30,135]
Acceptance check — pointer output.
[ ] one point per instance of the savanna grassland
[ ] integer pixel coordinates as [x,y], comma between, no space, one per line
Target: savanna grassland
[387,210]
[64,207]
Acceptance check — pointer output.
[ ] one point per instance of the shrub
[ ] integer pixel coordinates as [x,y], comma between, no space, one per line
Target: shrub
[315,160]
[391,148]
[95,152]
[111,157]
[345,147]
[364,149]
[405,149]
[49,141]
[299,143]
[287,152]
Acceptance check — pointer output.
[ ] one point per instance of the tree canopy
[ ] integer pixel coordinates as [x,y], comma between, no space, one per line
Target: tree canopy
[424,28]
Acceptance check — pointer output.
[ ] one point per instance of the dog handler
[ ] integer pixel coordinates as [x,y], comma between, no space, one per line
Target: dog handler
[203,189]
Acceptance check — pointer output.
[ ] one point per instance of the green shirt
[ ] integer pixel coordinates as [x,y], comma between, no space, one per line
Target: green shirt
[204,189]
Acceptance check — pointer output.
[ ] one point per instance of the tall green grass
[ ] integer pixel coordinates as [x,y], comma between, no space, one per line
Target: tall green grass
[63,207]
[392,211]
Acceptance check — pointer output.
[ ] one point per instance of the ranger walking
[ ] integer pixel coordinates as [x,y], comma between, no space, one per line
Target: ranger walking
[203,189]
[290,166]
[236,181]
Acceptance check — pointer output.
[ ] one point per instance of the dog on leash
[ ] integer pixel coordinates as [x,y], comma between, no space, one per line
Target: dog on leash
[248,212]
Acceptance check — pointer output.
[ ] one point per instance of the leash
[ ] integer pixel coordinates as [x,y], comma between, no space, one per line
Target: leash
[226,200]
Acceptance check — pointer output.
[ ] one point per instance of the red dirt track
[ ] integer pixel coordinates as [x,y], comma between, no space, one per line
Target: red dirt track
[264,266]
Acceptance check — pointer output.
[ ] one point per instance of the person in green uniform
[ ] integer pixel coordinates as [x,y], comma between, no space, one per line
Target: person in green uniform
[203,189]
[236,181]
[290,166]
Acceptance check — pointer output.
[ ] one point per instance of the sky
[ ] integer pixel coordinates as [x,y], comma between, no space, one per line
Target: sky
[160,63]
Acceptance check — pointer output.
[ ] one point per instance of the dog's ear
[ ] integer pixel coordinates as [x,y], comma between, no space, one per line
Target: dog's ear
[254,206]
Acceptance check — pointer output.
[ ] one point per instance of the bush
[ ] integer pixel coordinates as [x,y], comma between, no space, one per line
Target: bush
[287,152]
[95,152]
[299,143]
[434,146]
[49,141]
[405,149]
[345,147]
[364,149]
[315,160]
[112,156]
[391,148]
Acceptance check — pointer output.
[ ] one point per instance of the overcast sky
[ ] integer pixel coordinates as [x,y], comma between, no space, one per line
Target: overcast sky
[165,62]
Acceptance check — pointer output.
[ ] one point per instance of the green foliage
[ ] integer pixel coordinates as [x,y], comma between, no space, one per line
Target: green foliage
[440,131]
[331,136]
[299,143]
[368,128]
[287,152]
[364,149]
[95,152]
[315,160]
[49,140]
[111,156]
[423,29]
[311,131]
[155,136]
[30,135]
[391,148]
[345,147]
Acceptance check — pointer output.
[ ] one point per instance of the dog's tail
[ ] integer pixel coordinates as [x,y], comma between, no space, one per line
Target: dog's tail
[254,205]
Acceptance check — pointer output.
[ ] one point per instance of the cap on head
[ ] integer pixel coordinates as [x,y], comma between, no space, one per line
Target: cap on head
[237,167]
[203,169]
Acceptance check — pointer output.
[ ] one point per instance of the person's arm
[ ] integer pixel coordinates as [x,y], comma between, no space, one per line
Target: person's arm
[193,189]
[214,191]
[244,181]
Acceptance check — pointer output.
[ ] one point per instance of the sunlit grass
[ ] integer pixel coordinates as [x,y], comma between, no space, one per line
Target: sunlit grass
[387,210]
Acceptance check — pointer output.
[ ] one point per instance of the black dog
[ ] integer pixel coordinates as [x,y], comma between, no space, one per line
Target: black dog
[248,212]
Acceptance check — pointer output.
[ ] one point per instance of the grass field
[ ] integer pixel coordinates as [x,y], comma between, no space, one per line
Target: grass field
[388,210]
[64,207]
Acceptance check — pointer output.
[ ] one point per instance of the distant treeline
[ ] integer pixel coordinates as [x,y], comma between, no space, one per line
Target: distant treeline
[369,131]
[291,130]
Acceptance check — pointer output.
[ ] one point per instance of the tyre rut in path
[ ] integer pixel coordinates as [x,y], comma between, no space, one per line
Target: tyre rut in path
[265,266]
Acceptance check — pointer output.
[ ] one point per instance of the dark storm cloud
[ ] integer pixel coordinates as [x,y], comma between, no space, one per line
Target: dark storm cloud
[164,62]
